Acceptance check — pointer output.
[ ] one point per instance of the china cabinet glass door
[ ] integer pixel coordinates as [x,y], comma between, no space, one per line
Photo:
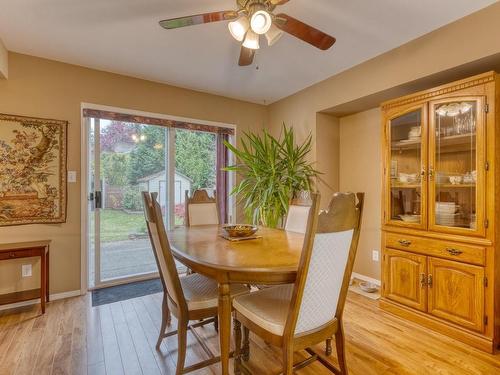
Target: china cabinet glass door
[457,165]
[406,163]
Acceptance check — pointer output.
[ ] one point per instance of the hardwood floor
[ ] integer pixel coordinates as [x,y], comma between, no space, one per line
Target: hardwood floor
[75,338]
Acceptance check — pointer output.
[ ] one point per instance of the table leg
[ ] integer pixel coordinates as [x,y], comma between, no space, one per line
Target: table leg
[43,281]
[224,326]
[47,277]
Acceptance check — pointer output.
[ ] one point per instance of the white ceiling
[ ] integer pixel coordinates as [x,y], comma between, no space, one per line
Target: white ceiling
[123,36]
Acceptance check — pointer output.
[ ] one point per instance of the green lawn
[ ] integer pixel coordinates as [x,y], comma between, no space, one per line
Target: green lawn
[116,225]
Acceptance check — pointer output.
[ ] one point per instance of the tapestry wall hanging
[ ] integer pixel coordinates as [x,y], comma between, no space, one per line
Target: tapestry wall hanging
[32,170]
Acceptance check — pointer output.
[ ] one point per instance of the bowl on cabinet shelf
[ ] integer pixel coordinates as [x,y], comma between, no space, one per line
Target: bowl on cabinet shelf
[410,218]
[456,180]
[407,178]
[446,208]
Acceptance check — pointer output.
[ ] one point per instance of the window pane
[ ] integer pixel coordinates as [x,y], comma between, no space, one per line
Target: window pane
[406,140]
[455,167]
[133,159]
[195,166]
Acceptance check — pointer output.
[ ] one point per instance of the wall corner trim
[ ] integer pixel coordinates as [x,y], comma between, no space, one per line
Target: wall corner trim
[4,61]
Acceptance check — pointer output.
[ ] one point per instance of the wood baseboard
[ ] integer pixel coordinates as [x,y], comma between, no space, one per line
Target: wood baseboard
[36,299]
[366,278]
[473,339]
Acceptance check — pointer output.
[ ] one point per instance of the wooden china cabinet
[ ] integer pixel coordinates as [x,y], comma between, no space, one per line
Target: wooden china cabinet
[441,205]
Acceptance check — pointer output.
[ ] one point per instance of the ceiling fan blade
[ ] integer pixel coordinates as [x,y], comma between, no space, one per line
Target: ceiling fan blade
[198,19]
[246,56]
[279,2]
[304,32]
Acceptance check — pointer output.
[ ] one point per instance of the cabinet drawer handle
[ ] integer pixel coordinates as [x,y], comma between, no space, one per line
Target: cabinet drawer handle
[422,280]
[12,255]
[453,251]
[429,281]
[404,243]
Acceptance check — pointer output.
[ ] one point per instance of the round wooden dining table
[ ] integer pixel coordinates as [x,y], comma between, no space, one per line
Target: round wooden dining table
[272,258]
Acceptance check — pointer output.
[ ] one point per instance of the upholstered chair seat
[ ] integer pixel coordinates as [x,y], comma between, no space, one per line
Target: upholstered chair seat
[267,308]
[201,292]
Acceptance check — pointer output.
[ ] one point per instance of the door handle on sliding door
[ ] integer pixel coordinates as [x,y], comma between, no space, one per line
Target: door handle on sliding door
[98,199]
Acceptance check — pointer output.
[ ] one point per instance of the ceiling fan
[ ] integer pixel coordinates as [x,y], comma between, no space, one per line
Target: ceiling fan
[253,19]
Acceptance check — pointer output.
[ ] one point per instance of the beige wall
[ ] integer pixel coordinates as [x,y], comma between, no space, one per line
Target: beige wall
[4,61]
[361,170]
[44,88]
[464,41]
[327,150]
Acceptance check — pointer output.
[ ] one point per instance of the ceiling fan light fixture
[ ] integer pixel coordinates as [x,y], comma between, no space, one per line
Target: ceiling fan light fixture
[239,28]
[261,22]
[273,35]
[251,40]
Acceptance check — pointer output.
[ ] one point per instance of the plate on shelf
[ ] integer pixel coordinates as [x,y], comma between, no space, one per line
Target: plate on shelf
[445,208]
[448,220]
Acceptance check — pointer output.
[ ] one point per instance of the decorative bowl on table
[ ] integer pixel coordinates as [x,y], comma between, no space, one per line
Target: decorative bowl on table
[239,230]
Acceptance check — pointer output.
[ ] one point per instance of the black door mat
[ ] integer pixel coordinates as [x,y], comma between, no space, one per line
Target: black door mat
[126,291]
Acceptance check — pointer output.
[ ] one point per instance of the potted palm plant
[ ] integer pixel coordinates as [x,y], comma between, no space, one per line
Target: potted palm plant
[272,171]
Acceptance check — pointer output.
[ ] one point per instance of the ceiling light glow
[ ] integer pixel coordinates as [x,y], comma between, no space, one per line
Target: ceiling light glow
[261,22]
[273,35]
[239,28]
[251,40]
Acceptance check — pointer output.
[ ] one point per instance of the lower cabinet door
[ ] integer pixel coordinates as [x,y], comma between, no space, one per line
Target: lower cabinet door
[405,278]
[456,293]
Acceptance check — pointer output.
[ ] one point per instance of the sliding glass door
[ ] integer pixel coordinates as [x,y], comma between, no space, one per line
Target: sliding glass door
[126,158]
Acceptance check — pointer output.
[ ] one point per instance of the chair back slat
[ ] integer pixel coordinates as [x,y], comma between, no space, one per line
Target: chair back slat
[201,209]
[161,249]
[298,213]
[326,263]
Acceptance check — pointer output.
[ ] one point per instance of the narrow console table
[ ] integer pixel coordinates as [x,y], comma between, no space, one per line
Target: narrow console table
[9,251]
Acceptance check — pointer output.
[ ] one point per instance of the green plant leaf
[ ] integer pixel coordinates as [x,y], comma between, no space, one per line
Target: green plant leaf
[272,170]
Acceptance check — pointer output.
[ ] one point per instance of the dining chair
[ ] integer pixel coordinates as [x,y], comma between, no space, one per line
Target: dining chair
[201,209]
[297,316]
[296,218]
[296,221]
[189,298]
[298,213]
